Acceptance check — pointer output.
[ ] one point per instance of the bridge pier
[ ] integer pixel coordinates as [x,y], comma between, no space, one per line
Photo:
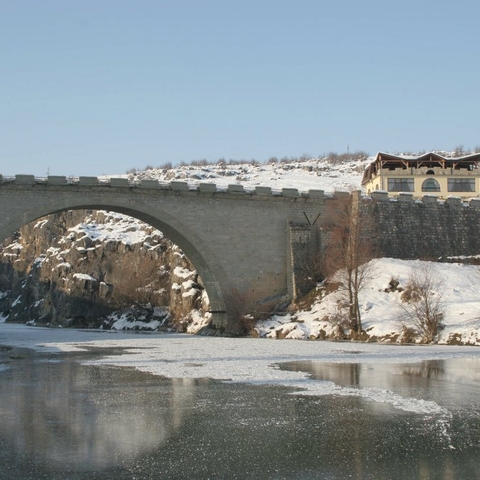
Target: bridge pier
[220,321]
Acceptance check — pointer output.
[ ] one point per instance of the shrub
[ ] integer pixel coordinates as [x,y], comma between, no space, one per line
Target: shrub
[423,302]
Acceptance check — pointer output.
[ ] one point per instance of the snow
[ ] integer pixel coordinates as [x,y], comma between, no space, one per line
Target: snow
[382,313]
[124,323]
[199,321]
[190,290]
[64,265]
[17,300]
[182,272]
[315,173]
[117,227]
[40,224]
[84,276]
[39,260]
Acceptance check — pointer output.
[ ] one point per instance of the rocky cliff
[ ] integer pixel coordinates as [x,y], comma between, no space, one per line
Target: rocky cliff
[96,268]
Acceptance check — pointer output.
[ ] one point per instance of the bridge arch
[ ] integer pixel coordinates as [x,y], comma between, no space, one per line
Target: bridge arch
[246,245]
[173,228]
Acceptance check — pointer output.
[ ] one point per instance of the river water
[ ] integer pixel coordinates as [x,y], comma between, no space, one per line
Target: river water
[63,420]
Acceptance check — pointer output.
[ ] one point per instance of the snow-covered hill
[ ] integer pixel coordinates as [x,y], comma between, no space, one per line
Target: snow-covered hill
[321,174]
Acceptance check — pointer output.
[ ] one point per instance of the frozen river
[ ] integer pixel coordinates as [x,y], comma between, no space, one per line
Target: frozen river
[72,406]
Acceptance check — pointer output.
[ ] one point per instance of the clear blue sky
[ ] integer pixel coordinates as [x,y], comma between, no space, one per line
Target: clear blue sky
[91,87]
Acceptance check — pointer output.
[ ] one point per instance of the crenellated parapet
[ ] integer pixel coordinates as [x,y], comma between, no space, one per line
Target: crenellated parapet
[430,200]
[178,186]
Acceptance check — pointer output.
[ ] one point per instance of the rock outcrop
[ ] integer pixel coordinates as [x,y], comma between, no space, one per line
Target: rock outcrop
[96,268]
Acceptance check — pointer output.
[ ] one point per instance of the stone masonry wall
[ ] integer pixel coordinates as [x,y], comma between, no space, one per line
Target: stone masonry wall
[428,229]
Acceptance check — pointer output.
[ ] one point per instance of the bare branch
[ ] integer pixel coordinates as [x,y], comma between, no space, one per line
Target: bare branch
[350,251]
[423,302]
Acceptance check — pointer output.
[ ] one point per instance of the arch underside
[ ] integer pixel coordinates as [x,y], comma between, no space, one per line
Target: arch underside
[161,221]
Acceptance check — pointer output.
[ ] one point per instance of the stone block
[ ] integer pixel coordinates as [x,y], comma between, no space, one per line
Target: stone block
[207,187]
[475,202]
[149,184]
[316,193]
[235,188]
[429,199]
[380,196]
[175,185]
[260,190]
[290,192]
[57,180]
[405,197]
[340,194]
[25,179]
[88,180]
[455,201]
[119,182]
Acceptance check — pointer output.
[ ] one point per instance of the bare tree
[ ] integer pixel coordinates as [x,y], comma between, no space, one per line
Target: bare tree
[423,302]
[350,251]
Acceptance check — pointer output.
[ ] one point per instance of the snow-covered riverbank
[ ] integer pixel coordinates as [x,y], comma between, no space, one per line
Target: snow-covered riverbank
[383,317]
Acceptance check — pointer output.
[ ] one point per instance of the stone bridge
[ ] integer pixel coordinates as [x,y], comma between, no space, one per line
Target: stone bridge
[244,244]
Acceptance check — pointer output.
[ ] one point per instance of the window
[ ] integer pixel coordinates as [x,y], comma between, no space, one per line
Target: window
[430,185]
[400,184]
[461,185]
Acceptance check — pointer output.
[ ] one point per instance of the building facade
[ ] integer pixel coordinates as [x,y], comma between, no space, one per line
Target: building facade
[428,174]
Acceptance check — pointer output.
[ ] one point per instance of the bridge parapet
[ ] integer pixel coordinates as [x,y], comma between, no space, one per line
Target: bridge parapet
[176,185]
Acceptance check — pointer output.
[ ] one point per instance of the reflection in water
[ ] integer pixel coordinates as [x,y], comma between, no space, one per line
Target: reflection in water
[89,416]
[465,371]
[62,420]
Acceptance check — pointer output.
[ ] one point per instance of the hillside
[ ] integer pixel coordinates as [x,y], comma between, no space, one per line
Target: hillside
[328,174]
[383,308]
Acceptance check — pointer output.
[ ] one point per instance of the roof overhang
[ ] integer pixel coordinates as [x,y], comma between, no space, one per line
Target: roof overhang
[429,160]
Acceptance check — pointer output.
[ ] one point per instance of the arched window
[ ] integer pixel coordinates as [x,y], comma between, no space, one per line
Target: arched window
[430,185]
[430,172]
